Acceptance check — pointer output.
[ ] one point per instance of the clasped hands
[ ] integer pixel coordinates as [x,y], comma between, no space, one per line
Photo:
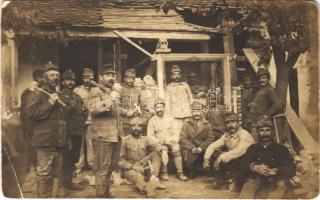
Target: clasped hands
[264,170]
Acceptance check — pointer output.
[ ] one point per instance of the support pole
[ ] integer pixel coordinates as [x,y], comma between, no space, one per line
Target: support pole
[228,44]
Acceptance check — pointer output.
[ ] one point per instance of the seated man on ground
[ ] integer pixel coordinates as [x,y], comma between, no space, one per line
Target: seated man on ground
[195,137]
[140,168]
[236,140]
[266,164]
[162,128]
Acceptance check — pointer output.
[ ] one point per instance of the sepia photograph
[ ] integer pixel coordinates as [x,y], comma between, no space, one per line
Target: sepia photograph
[169,99]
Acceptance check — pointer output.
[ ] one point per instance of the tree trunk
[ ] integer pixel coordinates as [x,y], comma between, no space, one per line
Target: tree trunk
[293,88]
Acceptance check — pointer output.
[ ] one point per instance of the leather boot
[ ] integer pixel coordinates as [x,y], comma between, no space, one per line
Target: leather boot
[178,163]
[42,189]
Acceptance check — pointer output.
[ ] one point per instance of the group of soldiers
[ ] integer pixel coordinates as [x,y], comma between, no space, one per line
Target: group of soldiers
[111,127]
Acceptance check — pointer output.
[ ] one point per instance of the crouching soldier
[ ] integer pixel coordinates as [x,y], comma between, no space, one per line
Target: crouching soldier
[236,140]
[140,168]
[195,137]
[162,128]
[267,164]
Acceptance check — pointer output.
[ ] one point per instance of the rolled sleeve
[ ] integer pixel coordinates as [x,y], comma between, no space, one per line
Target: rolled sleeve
[238,151]
[214,146]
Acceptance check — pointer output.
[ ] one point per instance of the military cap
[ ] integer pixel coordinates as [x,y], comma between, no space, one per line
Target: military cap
[136,120]
[50,66]
[196,106]
[263,121]
[87,72]
[130,73]
[68,74]
[108,69]
[191,74]
[159,100]
[263,71]
[231,117]
[175,68]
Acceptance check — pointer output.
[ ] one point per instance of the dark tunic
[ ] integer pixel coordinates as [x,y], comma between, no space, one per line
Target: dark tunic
[275,156]
[192,136]
[265,102]
[49,121]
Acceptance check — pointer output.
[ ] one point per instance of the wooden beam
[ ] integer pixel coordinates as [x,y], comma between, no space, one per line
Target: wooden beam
[134,44]
[143,34]
[228,44]
[295,123]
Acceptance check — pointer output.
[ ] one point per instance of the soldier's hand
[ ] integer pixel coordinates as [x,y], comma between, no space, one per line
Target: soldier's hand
[194,150]
[216,164]
[261,169]
[137,168]
[206,164]
[53,98]
[199,150]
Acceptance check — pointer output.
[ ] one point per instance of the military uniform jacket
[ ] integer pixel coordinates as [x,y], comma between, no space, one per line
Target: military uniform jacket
[49,122]
[192,136]
[178,100]
[83,92]
[216,119]
[135,149]
[275,156]
[265,102]
[77,112]
[103,110]
[26,123]
[163,128]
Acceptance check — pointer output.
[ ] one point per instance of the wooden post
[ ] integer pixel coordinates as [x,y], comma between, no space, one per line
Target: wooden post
[227,83]
[213,71]
[228,44]
[99,47]
[204,46]
[14,69]
[161,76]
[117,59]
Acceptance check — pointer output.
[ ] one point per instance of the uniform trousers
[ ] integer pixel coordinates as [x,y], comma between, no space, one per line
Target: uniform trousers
[106,160]
[275,188]
[70,157]
[49,166]
[138,179]
[86,153]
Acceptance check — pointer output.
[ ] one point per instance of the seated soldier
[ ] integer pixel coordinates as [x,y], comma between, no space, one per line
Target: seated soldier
[236,140]
[162,128]
[137,165]
[195,137]
[266,164]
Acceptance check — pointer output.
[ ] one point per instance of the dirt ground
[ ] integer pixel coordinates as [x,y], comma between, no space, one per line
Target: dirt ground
[196,188]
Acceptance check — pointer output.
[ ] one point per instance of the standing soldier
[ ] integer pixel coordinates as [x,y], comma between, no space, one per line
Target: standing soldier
[178,98]
[86,153]
[49,131]
[247,96]
[134,159]
[77,114]
[103,105]
[198,91]
[265,102]
[26,123]
[196,136]
[130,100]
[162,128]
